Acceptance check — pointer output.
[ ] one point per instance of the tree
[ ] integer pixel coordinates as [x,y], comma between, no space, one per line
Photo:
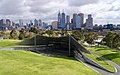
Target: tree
[34,30]
[109,39]
[49,32]
[14,34]
[116,41]
[64,32]
[2,33]
[78,35]
[22,34]
[90,37]
[29,34]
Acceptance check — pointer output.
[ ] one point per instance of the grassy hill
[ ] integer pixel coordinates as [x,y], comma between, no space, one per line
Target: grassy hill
[111,54]
[8,43]
[28,63]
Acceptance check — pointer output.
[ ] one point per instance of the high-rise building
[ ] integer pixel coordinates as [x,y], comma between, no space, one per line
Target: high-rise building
[31,23]
[74,21]
[67,22]
[61,20]
[89,22]
[78,22]
[2,22]
[67,19]
[55,25]
[40,22]
[45,25]
[81,19]
[36,22]
[8,22]
[21,22]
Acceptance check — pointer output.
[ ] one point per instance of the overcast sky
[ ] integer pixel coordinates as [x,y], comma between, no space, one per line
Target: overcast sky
[103,11]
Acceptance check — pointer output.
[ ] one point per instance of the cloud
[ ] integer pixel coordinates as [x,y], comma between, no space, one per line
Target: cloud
[81,2]
[11,7]
[47,10]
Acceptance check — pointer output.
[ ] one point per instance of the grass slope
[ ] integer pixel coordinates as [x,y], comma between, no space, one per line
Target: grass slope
[28,63]
[108,53]
[8,43]
[103,63]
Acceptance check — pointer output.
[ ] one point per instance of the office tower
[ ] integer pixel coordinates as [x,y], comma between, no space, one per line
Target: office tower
[31,23]
[2,22]
[67,22]
[36,23]
[55,25]
[40,22]
[78,22]
[74,20]
[21,22]
[59,19]
[89,22]
[67,19]
[8,22]
[81,19]
[45,25]
[63,20]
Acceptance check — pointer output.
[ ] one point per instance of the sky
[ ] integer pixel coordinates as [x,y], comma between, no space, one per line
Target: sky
[103,11]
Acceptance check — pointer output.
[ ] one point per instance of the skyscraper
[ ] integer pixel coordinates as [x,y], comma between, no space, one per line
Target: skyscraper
[55,25]
[74,21]
[8,22]
[89,22]
[81,19]
[61,20]
[67,19]
[2,22]
[78,22]
[40,22]
[67,22]
[36,22]
[31,23]
[21,22]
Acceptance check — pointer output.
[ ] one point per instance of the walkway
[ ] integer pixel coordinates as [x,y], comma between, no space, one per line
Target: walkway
[105,72]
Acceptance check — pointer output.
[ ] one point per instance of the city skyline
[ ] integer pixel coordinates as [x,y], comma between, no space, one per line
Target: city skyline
[103,11]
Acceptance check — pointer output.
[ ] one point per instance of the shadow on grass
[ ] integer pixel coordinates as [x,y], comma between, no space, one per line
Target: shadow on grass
[56,53]
[110,56]
[101,49]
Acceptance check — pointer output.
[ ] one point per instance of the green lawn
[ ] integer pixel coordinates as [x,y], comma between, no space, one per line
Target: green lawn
[8,43]
[28,63]
[103,63]
[108,53]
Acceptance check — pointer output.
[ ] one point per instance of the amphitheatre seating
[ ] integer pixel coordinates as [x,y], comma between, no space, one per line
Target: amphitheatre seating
[61,45]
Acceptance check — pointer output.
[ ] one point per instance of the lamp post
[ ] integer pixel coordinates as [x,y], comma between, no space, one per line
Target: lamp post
[35,41]
[69,45]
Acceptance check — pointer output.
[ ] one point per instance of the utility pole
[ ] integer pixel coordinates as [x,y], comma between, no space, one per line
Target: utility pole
[35,41]
[69,45]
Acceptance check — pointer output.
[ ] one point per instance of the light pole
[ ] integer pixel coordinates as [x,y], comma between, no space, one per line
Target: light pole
[69,45]
[35,41]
